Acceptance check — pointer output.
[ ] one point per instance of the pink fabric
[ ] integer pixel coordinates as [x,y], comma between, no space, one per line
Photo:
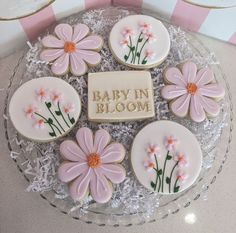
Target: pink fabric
[135,3]
[189,16]
[35,24]
[233,39]
[96,3]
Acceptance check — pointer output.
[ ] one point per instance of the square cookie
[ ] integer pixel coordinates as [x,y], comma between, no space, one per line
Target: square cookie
[120,96]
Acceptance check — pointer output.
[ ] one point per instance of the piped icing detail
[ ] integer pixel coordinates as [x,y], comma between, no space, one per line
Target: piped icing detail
[71,49]
[192,92]
[90,164]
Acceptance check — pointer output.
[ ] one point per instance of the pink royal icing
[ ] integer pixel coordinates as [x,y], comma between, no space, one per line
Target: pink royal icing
[192,91]
[90,164]
[71,48]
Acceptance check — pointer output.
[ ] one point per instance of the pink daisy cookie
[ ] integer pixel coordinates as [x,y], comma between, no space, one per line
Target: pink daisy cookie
[71,49]
[192,92]
[91,165]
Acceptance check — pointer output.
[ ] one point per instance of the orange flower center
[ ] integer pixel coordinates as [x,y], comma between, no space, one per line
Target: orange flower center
[94,160]
[170,141]
[191,88]
[151,165]
[41,121]
[69,47]
[30,110]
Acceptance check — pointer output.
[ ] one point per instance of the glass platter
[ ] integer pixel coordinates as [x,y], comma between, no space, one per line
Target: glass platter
[111,214]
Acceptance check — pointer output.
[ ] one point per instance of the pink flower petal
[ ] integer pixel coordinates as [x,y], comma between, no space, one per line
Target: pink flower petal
[114,172]
[80,31]
[115,152]
[77,65]
[52,42]
[213,90]
[90,42]
[64,32]
[79,187]
[61,65]
[71,151]
[172,91]
[210,106]
[68,171]
[204,76]
[100,188]
[174,76]
[91,57]
[101,139]
[49,55]
[189,72]
[84,137]
[180,106]
[197,112]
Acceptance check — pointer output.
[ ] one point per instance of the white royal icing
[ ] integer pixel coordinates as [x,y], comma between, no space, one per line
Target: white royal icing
[165,147]
[44,109]
[139,41]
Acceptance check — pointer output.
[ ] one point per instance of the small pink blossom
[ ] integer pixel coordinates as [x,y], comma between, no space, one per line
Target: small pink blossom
[181,159]
[149,165]
[69,108]
[153,150]
[124,43]
[30,110]
[170,143]
[127,32]
[151,37]
[181,175]
[42,94]
[39,124]
[150,54]
[145,27]
[56,97]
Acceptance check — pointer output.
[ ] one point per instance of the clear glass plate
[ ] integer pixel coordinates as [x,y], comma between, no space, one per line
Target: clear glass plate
[107,214]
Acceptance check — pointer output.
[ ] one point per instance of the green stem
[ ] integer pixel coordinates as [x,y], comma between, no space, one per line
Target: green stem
[46,121]
[142,49]
[136,48]
[130,41]
[172,174]
[156,172]
[144,59]
[54,117]
[176,183]
[58,105]
[163,174]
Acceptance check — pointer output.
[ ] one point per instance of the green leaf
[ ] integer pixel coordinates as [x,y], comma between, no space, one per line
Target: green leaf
[152,184]
[167,180]
[58,113]
[169,157]
[52,134]
[50,121]
[138,54]
[140,39]
[159,172]
[133,48]
[48,104]
[176,189]
[72,120]
[144,62]
[126,57]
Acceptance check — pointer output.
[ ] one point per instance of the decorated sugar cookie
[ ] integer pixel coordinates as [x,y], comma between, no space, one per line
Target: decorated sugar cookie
[166,157]
[120,96]
[71,49]
[91,165]
[44,109]
[139,41]
[192,92]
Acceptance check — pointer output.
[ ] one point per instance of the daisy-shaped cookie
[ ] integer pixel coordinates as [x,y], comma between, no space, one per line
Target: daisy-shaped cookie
[71,49]
[192,92]
[91,165]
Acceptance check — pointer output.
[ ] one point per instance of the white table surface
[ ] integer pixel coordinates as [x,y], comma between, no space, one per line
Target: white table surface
[23,212]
